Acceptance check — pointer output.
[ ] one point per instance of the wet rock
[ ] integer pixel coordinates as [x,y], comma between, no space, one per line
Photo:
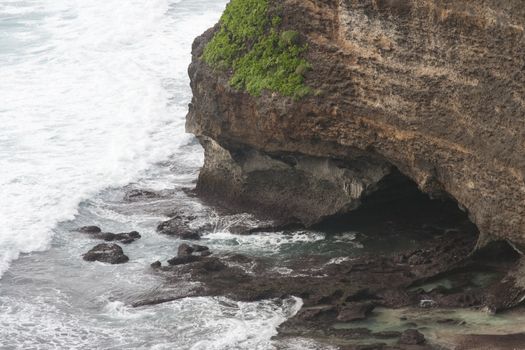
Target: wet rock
[240,230]
[182,260]
[174,226]
[508,292]
[89,229]
[308,314]
[375,346]
[355,311]
[108,253]
[179,226]
[357,333]
[138,195]
[205,253]
[239,258]
[185,250]
[213,265]
[199,248]
[157,264]
[488,341]
[412,337]
[124,237]
[386,335]
[314,313]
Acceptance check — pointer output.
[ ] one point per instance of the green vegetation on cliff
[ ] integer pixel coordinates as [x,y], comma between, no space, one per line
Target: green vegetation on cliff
[261,56]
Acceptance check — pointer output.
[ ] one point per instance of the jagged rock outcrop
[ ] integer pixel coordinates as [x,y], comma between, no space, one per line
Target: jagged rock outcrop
[432,88]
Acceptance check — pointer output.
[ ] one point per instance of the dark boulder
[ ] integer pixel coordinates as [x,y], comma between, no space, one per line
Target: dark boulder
[156,264]
[108,253]
[185,250]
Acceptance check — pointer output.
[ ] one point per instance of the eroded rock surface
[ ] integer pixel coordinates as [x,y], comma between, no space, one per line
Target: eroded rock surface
[433,88]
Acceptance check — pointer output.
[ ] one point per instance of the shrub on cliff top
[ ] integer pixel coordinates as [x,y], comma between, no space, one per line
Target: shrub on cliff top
[249,42]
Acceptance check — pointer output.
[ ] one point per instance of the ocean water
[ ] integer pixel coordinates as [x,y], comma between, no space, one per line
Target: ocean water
[93,96]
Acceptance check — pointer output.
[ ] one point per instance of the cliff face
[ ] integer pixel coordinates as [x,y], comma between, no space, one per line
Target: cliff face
[434,89]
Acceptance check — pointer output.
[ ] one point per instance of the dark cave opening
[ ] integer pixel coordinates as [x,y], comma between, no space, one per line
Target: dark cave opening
[398,215]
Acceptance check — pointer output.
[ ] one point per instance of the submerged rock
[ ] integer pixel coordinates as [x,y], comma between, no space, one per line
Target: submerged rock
[156,264]
[108,253]
[138,195]
[89,229]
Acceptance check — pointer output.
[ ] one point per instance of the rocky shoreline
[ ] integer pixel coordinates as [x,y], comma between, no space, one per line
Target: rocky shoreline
[340,293]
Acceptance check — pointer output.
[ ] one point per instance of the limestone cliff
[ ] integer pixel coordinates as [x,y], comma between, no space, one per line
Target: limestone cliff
[432,89]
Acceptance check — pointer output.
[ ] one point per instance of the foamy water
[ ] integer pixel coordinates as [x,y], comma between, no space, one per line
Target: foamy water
[91,94]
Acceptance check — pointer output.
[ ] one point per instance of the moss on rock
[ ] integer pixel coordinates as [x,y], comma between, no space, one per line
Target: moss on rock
[261,57]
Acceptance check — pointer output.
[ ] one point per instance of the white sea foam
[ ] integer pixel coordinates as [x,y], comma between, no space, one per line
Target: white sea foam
[91,94]
[193,323]
[247,326]
[266,243]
